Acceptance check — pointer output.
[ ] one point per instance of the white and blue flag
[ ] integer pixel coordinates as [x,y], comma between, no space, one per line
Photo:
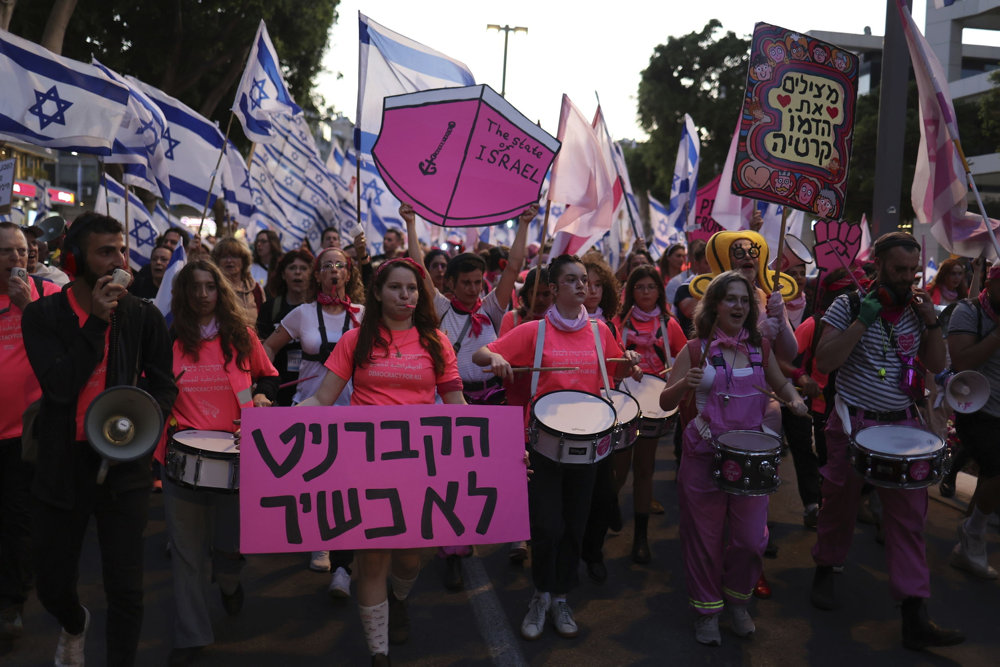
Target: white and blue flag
[140,226]
[664,231]
[191,145]
[236,186]
[165,294]
[683,190]
[262,92]
[52,101]
[138,144]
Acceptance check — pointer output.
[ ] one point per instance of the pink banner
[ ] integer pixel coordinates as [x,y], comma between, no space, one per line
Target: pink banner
[381,477]
[704,201]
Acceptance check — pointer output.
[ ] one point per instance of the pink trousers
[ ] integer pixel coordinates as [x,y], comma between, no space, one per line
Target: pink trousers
[904,513]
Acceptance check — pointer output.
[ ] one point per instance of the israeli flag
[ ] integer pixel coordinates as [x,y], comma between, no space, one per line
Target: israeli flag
[52,101]
[683,191]
[664,232]
[236,187]
[140,226]
[165,294]
[139,141]
[191,145]
[262,92]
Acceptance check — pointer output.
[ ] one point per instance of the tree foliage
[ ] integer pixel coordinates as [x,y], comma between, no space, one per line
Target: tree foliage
[702,74]
[194,50]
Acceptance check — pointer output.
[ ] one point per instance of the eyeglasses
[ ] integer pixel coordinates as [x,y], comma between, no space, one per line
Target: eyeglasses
[573,280]
[644,288]
[21,252]
[327,266]
[739,252]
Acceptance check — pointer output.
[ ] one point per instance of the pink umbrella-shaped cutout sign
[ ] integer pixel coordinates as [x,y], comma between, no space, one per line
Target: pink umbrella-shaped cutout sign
[462,157]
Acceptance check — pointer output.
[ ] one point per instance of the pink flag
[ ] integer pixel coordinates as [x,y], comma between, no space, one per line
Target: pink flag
[865,251]
[581,177]
[939,187]
[618,171]
[731,211]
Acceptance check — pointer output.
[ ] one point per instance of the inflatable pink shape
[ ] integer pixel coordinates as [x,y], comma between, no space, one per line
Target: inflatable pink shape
[462,157]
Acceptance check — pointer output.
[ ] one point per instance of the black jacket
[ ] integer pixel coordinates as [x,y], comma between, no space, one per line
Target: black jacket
[64,355]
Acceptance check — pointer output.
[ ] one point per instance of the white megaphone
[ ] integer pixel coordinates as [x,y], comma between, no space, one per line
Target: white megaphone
[122,424]
[966,391]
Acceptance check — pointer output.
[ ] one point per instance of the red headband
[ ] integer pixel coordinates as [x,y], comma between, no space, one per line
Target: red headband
[403,260]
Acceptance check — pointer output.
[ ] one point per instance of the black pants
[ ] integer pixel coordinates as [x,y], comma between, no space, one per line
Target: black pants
[558,502]
[58,541]
[16,569]
[799,435]
[604,501]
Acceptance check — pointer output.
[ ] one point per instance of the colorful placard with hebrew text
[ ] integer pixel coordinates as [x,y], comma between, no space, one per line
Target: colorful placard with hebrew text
[798,122]
[381,477]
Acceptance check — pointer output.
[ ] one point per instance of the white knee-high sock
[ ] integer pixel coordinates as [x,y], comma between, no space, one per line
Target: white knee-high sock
[375,621]
[401,587]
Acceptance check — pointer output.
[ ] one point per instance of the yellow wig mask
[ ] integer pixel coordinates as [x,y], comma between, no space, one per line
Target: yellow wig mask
[717,255]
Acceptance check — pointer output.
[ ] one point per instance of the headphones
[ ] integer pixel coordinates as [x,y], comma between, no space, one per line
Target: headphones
[72,256]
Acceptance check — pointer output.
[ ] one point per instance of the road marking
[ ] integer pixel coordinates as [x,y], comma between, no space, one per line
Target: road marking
[501,642]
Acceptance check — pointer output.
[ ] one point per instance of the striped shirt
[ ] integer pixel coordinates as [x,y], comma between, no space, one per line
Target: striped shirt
[858,379]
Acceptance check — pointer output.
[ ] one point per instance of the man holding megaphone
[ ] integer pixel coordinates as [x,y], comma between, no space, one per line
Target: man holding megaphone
[974,344]
[91,336]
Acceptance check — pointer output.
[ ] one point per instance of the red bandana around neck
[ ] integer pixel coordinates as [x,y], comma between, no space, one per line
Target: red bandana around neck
[478,319]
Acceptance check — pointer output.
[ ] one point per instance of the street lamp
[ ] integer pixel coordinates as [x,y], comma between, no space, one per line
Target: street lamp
[506,29]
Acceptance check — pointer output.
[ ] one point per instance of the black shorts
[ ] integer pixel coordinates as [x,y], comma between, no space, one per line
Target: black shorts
[978,434]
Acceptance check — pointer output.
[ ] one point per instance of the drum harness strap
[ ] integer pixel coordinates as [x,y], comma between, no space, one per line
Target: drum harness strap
[540,344]
[627,324]
[325,347]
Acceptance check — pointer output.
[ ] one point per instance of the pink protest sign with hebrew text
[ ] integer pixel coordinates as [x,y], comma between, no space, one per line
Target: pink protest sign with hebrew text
[462,156]
[319,478]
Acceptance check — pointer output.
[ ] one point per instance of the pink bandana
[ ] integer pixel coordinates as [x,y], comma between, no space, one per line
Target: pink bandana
[723,340]
[564,324]
[644,315]
[210,330]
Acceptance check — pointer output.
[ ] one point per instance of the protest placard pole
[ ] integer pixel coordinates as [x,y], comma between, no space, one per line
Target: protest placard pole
[211,183]
[785,211]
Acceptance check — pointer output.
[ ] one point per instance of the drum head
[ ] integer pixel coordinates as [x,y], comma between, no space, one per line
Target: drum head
[212,441]
[750,441]
[573,412]
[626,407]
[647,392]
[898,440]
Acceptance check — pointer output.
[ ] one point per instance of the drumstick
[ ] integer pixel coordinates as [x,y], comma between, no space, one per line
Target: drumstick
[665,371]
[613,359]
[178,377]
[529,369]
[295,382]
[771,394]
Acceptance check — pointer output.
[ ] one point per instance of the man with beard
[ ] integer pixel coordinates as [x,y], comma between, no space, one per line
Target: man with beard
[91,336]
[872,340]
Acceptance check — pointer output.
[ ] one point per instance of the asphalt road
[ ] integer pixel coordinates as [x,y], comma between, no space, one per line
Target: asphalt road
[638,617]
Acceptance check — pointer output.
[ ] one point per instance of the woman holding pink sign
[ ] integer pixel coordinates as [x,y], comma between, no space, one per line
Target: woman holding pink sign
[397,357]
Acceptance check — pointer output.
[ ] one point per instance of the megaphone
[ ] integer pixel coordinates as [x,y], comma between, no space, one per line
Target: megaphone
[966,391]
[123,424]
[51,227]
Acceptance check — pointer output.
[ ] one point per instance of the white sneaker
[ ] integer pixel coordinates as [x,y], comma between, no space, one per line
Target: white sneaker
[340,585]
[743,624]
[69,650]
[970,554]
[706,630]
[562,619]
[534,621]
[320,561]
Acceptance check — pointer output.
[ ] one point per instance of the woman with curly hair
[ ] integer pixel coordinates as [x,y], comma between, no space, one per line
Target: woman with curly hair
[646,327]
[221,368]
[397,357]
[234,258]
[726,398]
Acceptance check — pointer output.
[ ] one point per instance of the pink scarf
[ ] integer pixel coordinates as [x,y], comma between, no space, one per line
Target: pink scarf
[210,330]
[987,306]
[330,300]
[478,319]
[644,315]
[723,341]
[564,324]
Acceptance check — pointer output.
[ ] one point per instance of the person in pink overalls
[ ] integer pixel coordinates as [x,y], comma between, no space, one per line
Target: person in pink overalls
[728,397]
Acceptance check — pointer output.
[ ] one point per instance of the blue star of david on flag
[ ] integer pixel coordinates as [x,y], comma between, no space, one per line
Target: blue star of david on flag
[257,93]
[148,126]
[143,233]
[38,108]
[171,144]
[376,192]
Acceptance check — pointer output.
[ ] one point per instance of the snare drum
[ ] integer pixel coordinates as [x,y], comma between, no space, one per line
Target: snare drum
[898,457]
[204,460]
[655,421]
[746,463]
[627,417]
[571,426]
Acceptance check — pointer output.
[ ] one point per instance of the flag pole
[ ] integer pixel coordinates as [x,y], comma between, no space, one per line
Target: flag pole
[541,247]
[979,200]
[104,182]
[785,211]
[125,186]
[211,183]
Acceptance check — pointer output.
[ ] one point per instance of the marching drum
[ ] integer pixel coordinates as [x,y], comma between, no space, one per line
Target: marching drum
[746,463]
[571,426]
[627,416]
[655,420]
[204,460]
[898,457]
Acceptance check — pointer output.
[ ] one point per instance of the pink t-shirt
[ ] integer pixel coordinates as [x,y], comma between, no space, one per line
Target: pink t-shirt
[19,388]
[561,348]
[96,384]
[804,335]
[403,376]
